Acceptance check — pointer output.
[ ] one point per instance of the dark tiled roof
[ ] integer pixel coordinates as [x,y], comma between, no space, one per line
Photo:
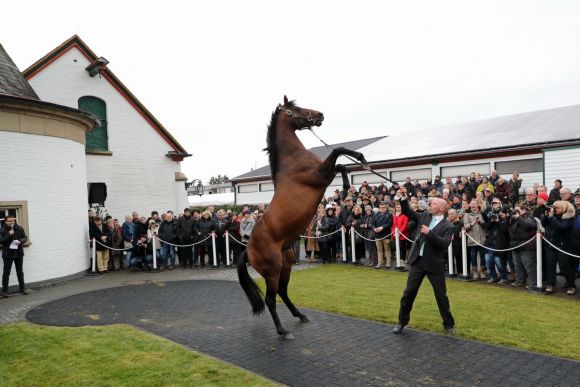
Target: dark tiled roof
[11,80]
[320,151]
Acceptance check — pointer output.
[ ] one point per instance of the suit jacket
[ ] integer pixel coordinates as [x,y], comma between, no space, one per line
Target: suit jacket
[436,242]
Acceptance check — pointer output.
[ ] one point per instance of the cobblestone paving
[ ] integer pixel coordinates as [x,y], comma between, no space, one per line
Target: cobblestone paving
[214,317]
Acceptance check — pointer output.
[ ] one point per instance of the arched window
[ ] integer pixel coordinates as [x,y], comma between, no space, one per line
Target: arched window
[97,139]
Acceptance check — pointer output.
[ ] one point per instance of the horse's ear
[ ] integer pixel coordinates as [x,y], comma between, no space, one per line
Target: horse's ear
[285,100]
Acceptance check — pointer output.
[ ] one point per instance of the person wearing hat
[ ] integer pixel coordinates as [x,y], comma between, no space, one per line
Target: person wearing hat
[185,234]
[247,225]
[540,211]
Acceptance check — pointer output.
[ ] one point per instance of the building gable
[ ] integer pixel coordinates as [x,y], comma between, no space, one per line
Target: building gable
[75,42]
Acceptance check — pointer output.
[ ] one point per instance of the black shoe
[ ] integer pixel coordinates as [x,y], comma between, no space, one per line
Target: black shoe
[398,328]
[450,330]
[4,295]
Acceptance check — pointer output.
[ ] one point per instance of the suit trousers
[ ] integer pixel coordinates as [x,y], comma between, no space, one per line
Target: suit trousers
[414,280]
[18,261]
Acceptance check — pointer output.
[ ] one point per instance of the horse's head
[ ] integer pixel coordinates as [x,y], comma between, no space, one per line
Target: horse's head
[298,117]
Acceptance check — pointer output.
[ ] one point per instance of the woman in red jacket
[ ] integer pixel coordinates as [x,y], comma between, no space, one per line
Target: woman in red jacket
[401,222]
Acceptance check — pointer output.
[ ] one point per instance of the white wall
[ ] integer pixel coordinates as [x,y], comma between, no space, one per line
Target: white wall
[138,175]
[563,164]
[50,174]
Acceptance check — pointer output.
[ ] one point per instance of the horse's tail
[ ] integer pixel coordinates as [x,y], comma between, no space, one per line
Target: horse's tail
[252,290]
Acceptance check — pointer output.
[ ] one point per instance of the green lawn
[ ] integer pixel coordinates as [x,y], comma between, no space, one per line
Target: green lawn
[484,313]
[115,355]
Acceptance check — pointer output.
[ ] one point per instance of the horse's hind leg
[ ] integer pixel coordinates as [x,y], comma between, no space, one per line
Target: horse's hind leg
[271,290]
[283,285]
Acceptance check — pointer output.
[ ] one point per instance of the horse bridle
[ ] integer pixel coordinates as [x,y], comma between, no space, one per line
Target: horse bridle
[294,115]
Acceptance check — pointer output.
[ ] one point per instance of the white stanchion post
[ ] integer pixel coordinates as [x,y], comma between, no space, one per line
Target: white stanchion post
[352,245]
[399,267]
[465,275]
[154,242]
[450,257]
[227,236]
[539,261]
[94,256]
[342,232]
[214,252]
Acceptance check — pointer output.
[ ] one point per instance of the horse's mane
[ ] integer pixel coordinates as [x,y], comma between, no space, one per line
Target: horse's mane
[271,141]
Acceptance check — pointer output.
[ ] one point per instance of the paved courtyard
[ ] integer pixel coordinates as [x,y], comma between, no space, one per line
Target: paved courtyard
[208,312]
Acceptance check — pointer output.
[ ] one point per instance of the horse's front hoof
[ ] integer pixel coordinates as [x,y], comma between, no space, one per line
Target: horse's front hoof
[288,336]
[304,319]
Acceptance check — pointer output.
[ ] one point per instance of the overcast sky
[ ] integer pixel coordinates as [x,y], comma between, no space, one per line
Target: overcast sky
[213,71]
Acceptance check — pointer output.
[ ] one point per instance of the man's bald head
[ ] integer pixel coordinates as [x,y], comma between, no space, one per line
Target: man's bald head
[437,206]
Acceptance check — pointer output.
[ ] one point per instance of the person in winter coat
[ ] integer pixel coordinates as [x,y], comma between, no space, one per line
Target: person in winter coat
[523,228]
[220,241]
[382,223]
[102,234]
[456,243]
[116,242]
[184,231]
[328,225]
[127,230]
[233,228]
[355,220]
[502,190]
[368,233]
[312,247]
[515,184]
[559,225]
[12,238]
[497,239]
[167,232]
[400,221]
[246,226]
[203,229]
[474,224]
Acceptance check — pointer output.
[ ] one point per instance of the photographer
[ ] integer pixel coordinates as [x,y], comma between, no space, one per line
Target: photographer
[497,238]
[559,223]
[522,228]
[12,237]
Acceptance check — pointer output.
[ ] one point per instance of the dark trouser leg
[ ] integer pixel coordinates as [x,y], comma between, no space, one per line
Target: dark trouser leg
[551,257]
[6,274]
[566,264]
[413,283]
[529,261]
[19,272]
[458,258]
[332,251]
[440,290]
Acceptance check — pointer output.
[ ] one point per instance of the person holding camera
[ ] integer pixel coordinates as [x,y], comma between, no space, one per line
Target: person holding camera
[12,238]
[522,228]
[497,239]
[559,223]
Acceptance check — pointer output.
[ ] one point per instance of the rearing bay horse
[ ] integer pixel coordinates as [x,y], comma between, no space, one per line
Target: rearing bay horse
[300,179]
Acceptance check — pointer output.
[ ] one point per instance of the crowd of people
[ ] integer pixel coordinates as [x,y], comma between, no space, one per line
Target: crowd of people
[500,227]
[500,230]
[185,239]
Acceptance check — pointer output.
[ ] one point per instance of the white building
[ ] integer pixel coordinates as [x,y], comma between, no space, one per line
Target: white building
[136,158]
[43,177]
[542,145]
[53,160]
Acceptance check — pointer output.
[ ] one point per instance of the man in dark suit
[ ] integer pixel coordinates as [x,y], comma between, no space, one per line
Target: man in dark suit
[427,258]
